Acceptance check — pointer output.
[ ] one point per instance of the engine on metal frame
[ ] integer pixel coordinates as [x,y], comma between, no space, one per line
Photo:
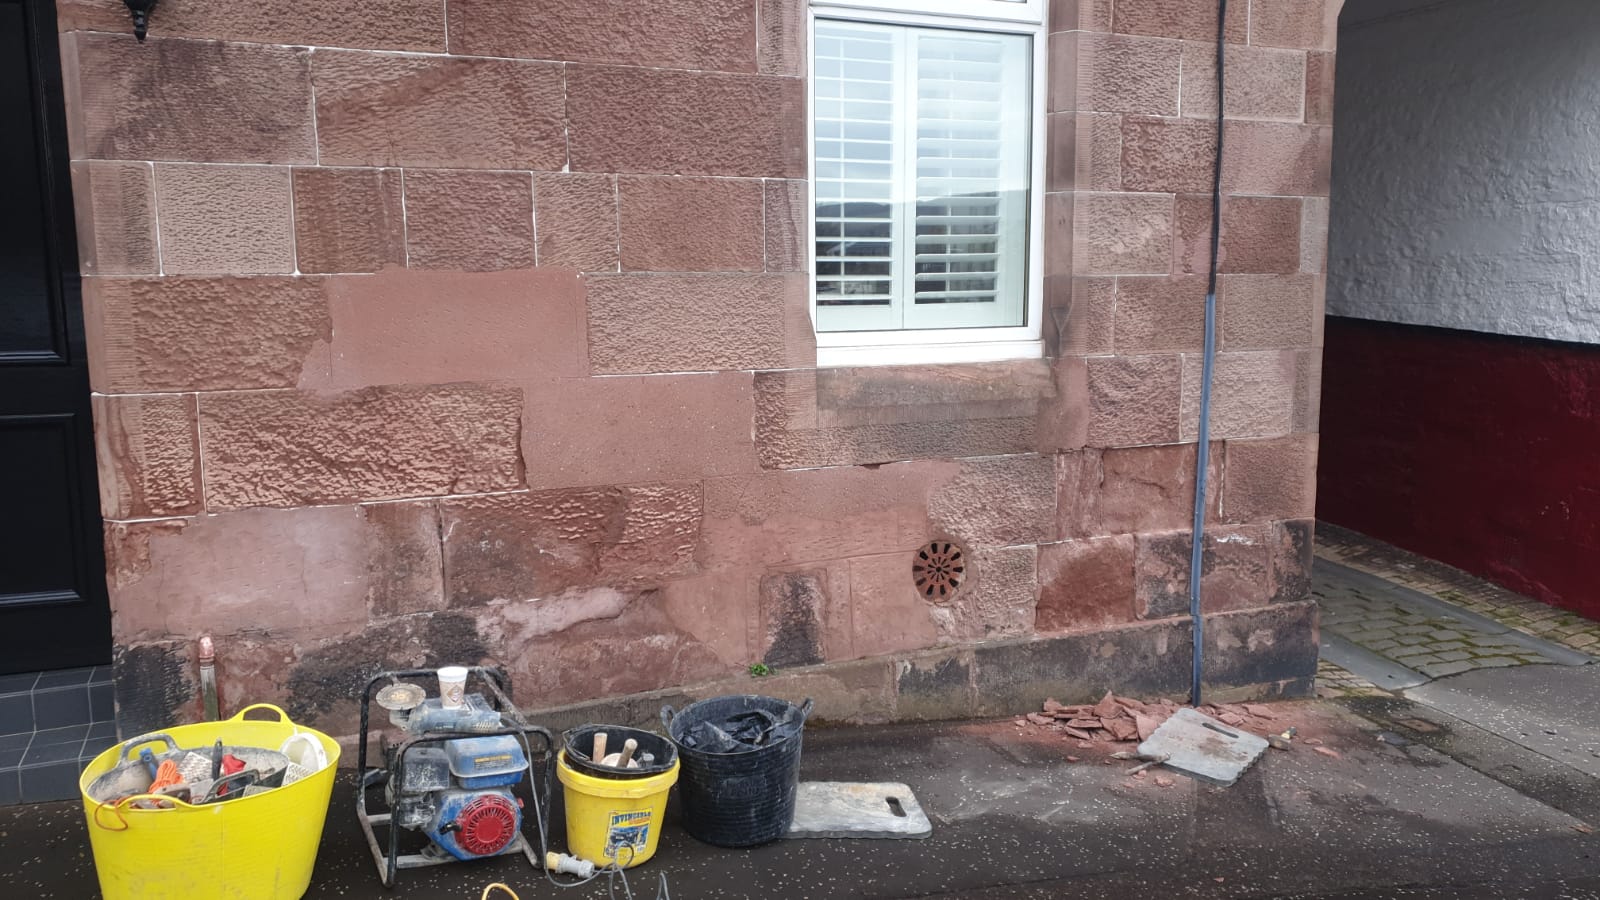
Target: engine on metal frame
[457,793]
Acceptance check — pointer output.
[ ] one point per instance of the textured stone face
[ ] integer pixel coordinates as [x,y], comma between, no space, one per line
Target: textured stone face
[1319,88]
[116,218]
[625,119]
[1308,24]
[1252,395]
[691,224]
[149,455]
[781,40]
[1269,480]
[405,566]
[576,219]
[406,326]
[1235,571]
[1261,312]
[291,448]
[370,24]
[1127,75]
[1179,19]
[1261,83]
[888,614]
[471,221]
[1123,234]
[997,502]
[348,220]
[1134,400]
[1259,234]
[385,110]
[531,546]
[225,219]
[185,334]
[1086,584]
[998,600]
[196,101]
[1278,159]
[1167,155]
[1156,315]
[1135,490]
[675,427]
[673,34]
[688,323]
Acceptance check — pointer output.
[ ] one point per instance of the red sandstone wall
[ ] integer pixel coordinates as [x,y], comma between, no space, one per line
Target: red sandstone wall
[1477,450]
[495,346]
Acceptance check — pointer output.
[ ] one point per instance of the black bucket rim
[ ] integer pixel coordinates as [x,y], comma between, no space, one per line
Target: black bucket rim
[578,757]
[670,715]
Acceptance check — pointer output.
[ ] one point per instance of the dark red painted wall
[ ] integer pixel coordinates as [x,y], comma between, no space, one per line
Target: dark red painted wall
[1478,450]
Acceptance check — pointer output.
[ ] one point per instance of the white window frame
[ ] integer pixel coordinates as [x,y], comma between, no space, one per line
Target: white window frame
[953,345]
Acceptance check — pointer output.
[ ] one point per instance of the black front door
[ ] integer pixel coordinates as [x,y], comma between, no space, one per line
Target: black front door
[53,608]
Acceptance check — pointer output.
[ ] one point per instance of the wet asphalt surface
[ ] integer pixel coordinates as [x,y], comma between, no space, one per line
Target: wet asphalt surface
[1387,814]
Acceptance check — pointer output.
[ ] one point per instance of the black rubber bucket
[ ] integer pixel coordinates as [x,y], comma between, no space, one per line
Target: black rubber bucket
[580,742]
[741,798]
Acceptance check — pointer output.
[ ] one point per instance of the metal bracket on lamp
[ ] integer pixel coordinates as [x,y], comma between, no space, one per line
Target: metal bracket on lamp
[141,16]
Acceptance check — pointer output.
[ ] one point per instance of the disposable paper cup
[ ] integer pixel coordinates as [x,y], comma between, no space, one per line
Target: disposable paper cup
[453,686]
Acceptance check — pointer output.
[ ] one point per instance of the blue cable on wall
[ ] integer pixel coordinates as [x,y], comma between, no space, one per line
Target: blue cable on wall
[1202,462]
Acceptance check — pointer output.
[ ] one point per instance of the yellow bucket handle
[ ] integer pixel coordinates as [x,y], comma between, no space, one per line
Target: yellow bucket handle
[282,716]
[116,806]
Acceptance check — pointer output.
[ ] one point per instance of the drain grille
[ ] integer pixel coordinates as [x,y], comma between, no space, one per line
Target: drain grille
[939,570]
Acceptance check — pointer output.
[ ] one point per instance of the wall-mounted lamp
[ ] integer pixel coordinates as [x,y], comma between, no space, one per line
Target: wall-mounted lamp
[141,16]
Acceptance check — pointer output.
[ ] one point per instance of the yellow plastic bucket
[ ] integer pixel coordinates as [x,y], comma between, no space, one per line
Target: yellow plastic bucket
[608,818]
[260,847]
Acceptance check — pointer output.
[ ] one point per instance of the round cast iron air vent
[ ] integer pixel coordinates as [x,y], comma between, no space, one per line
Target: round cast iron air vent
[939,570]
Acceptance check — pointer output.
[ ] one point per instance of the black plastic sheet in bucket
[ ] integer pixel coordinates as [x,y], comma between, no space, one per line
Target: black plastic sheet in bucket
[742,792]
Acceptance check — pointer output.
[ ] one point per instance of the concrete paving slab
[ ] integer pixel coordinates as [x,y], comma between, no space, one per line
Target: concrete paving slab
[1551,710]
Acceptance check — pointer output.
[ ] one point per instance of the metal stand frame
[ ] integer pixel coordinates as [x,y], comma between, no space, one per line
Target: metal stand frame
[498,693]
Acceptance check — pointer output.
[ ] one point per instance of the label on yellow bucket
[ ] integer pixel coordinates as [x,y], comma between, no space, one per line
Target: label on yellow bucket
[629,829]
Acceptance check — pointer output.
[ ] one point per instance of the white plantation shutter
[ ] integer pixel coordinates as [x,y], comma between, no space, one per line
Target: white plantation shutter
[920,142]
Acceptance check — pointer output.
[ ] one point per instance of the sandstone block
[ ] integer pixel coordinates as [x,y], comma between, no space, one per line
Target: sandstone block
[148,451]
[1157,314]
[934,687]
[441,112]
[529,546]
[1084,152]
[1264,651]
[1139,489]
[246,570]
[677,427]
[405,563]
[471,221]
[889,615]
[1314,235]
[1088,324]
[1086,584]
[1269,480]
[1319,88]
[1167,155]
[674,34]
[1280,159]
[1123,234]
[781,40]
[1060,210]
[1307,389]
[185,334]
[409,326]
[793,605]
[629,119]
[1061,93]
[1253,395]
[691,224]
[1303,24]
[1262,312]
[997,502]
[348,220]
[291,448]
[116,218]
[225,219]
[1191,240]
[1293,553]
[814,515]
[1134,400]
[1235,571]
[368,24]
[1180,19]
[195,101]
[1149,661]
[1260,234]
[1262,83]
[575,215]
[720,609]
[1063,421]
[996,602]
[687,323]
[786,234]
[1118,73]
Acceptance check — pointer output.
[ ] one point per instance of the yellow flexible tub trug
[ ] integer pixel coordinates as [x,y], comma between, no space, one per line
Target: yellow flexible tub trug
[260,847]
[614,820]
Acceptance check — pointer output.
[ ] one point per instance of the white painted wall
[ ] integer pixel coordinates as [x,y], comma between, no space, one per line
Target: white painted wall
[1466,176]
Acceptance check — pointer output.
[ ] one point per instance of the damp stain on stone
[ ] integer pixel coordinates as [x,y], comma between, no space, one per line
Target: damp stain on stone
[154,686]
